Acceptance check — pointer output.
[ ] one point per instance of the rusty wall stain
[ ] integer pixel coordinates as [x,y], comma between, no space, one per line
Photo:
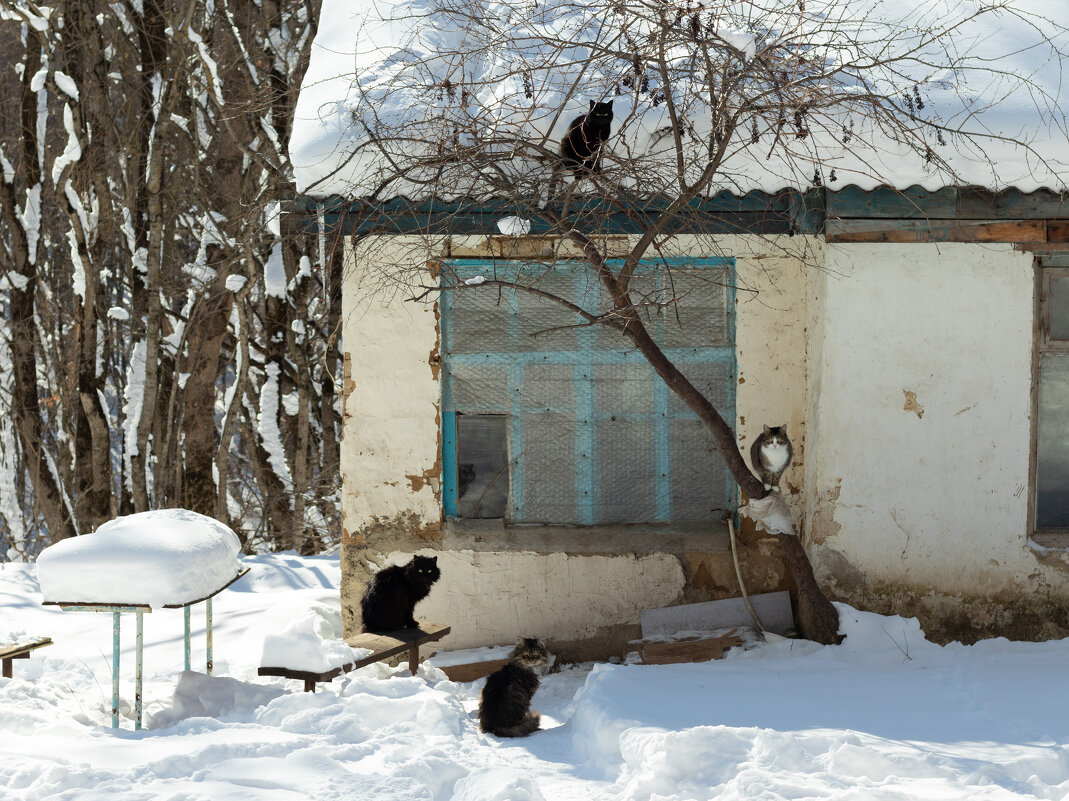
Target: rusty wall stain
[911,404]
[435,357]
[347,383]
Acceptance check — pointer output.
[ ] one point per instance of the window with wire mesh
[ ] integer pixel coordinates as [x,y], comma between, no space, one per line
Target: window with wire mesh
[550,419]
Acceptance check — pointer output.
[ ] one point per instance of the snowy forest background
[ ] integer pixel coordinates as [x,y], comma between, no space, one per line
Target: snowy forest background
[162,345]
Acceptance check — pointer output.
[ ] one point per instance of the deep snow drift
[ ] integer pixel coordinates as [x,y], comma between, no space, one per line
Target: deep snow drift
[886,715]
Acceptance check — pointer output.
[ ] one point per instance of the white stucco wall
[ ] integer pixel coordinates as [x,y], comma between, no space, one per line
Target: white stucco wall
[919,415]
[389,455]
[491,598]
[770,343]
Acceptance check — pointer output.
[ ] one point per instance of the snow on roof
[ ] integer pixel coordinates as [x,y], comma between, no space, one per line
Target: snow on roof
[158,558]
[1007,90]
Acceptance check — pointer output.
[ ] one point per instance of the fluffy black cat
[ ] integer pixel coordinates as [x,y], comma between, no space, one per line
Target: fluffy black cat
[505,704]
[580,149]
[390,599]
[770,455]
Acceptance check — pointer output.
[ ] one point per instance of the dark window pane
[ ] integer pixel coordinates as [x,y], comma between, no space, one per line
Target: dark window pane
[482,465]
[1052,442]
[1059,307]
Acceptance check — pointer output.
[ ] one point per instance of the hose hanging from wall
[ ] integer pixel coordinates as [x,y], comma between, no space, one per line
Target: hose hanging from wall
[742,586]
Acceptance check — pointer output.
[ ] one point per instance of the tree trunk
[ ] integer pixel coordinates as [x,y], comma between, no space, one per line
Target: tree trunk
[207,327]
[817,618]
[51,503]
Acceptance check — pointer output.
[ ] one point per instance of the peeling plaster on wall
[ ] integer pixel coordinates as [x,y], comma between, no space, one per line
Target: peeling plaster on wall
[435,358]
[911,404]
[711,576]
[428,478]
[823,526]
[347,384]
[1056,560]
[1041,614]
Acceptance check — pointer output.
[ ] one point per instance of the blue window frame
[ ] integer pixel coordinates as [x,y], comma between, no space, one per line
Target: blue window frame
[592,435]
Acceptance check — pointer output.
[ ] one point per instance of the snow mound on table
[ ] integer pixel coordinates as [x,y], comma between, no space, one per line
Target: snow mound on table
[158,558]
[311,639]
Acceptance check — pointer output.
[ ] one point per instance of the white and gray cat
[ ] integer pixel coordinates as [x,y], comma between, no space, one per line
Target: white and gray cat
[770,455]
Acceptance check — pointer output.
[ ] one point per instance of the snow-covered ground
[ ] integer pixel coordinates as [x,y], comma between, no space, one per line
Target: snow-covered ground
[886,715]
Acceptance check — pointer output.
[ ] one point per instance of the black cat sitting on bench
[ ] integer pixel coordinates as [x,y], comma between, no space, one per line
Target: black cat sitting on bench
[390,599]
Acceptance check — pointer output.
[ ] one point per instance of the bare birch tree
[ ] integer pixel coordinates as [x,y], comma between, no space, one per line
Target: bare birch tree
[166,347]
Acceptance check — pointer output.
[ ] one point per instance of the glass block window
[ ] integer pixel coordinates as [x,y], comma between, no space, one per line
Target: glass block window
[1052,420]
[548,420]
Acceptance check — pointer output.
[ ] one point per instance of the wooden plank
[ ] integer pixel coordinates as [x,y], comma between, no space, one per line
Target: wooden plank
[688,650]
[75,606]
[17,650]
[395,642]
[304,675]
[13,651]
[241,573]
[912,203]
[774,609]
[941,230]
[383,646]
[1013,204]
[473,670]
[1058,231]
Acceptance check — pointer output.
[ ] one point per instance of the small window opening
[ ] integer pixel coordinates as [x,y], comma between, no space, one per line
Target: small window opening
[482,465]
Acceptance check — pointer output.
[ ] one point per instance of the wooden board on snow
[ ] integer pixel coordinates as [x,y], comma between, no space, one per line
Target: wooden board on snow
[774,609]
[695,649]
[473,670]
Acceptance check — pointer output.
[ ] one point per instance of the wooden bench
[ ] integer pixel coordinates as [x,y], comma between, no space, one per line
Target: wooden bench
[382,646]
[8,653]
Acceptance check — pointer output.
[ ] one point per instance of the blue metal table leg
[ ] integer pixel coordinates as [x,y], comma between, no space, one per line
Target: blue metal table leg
[115,670]
[208,615]
[138,674]
[185,613]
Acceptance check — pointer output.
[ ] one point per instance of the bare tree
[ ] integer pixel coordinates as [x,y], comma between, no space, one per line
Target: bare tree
[165,344]
[708,97]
